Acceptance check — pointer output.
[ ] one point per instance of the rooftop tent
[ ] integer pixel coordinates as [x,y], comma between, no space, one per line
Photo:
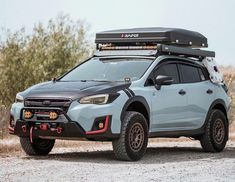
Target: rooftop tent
[158,35]
[162,40]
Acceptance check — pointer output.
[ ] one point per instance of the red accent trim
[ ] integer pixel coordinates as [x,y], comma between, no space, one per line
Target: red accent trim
[11,129]
[31,134]
[102,130]
[24,128]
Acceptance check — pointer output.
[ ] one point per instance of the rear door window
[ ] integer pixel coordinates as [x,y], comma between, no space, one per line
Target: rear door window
[189,74]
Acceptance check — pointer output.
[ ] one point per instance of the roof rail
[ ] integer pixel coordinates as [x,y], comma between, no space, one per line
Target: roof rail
[158,49]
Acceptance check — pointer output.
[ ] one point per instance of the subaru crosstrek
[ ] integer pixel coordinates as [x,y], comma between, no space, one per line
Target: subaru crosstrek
[140,83]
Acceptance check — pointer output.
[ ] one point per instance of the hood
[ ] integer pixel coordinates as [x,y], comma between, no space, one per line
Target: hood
[73,90]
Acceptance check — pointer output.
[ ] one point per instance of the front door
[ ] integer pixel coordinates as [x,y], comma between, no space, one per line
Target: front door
[169,104]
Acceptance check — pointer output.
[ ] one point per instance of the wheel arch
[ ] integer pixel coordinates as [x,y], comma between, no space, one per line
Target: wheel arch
[138,104]
[207,140]
[220,105]
[216,104]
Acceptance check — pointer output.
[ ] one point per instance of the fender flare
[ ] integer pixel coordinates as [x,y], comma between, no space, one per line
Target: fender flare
[134,99]
[213,104]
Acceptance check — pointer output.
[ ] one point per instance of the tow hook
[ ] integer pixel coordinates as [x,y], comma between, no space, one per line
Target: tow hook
[59,130]
[44,127]
[24,128]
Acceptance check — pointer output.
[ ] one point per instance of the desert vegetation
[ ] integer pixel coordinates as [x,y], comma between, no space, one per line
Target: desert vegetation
[229,77]
[49,51]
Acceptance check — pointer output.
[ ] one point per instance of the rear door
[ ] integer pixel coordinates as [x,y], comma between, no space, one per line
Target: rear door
[200,93]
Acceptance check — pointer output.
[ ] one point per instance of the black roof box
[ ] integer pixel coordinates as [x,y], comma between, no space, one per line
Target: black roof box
[154,35]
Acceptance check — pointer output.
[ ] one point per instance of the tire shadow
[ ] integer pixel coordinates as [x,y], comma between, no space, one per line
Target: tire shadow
[153,155]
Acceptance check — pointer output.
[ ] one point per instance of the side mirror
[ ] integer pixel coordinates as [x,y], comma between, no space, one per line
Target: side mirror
[163,80]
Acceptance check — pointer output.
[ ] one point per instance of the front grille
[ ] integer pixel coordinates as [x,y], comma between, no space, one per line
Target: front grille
[58,103]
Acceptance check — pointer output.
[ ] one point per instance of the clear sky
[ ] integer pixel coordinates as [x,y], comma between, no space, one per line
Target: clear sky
[213,18]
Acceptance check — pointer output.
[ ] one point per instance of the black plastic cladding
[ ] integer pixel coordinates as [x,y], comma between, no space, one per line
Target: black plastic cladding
[140,99]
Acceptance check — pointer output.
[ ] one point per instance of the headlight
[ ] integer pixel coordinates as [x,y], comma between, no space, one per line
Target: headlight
[19,98]
[95,99]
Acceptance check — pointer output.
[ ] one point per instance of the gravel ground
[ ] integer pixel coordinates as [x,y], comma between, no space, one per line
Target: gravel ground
[163,161]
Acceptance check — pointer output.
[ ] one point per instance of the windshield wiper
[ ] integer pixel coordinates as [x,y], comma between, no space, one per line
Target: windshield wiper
[100,80]
[89,81]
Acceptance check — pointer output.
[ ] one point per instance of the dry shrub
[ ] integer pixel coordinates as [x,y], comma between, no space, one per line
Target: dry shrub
[229,77]
[8,146]
[4,118]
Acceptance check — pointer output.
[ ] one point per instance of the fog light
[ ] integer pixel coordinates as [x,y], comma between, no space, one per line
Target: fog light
[53,115]
[28,114]
[101,125]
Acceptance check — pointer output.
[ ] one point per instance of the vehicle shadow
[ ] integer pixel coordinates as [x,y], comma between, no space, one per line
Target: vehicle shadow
[153,155]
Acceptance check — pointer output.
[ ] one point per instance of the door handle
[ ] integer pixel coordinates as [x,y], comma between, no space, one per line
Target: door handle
[182,92]
[209,91]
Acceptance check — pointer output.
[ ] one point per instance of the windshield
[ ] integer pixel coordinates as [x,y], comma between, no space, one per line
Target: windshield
[109,69]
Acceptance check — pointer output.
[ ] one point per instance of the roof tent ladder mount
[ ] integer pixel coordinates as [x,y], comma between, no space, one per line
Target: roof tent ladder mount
[184,51]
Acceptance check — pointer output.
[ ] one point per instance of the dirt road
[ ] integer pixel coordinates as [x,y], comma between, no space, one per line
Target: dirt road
[165,161]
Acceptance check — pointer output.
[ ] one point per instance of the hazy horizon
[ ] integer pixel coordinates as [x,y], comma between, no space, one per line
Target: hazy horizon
[212,18]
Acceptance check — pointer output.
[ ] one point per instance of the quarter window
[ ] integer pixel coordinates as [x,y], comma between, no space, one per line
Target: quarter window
[189,74]
[168,70]
[202,76]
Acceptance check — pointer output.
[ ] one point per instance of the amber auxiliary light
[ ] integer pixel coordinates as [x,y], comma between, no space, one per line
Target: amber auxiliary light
[28,114]
[53,115]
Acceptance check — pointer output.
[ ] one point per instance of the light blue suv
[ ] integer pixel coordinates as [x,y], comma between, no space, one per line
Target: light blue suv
[141,83]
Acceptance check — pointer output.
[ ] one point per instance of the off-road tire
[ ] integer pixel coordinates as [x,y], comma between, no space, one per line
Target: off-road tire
[126,147]
[213,140]
[38,147]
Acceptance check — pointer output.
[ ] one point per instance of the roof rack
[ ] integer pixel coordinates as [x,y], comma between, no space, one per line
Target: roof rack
[164,40]
[154,50]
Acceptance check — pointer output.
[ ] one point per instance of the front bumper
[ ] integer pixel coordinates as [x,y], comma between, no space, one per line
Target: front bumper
[61,128]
